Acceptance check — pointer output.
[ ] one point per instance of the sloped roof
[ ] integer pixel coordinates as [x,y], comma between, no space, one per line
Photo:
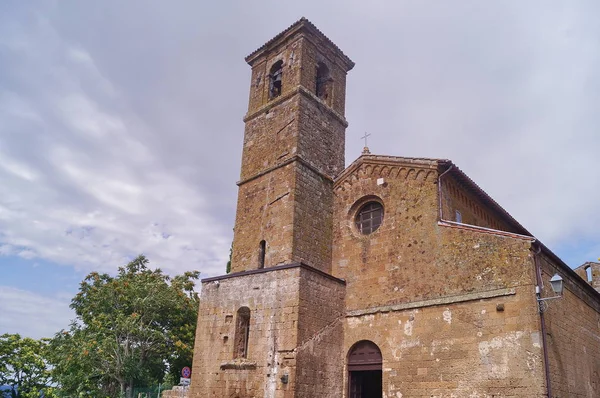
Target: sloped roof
[444,165]
[302,23]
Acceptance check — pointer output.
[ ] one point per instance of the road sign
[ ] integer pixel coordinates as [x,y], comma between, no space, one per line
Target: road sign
[186,372]
[184,381]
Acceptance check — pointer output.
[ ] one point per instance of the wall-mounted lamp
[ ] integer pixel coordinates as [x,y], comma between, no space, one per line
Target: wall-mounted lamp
[557,285]
[285,379]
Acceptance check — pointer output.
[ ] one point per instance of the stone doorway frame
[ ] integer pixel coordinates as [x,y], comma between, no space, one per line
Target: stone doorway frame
[363,356]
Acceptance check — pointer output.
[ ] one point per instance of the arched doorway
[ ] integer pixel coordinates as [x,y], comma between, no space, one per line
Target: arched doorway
[364,370]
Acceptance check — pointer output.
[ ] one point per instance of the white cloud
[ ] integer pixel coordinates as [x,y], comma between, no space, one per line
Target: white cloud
[82,186]
[125,137]
[31,314]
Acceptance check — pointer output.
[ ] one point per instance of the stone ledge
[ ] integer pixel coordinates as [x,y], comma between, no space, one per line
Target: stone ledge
[271,269]
[286,96]
[430,303]
[477,228]
[295,158]
[238,364]
[176,392]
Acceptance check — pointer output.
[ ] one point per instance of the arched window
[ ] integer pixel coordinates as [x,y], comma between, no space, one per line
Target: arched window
[364,370]
[242,332]
[262,250]
[275,76]
[323,81]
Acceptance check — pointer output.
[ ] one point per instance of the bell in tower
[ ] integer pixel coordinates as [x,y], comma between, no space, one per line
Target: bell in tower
[275,79]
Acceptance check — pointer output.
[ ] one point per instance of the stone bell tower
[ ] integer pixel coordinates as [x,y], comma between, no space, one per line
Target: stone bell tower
[272,327]
[293,149]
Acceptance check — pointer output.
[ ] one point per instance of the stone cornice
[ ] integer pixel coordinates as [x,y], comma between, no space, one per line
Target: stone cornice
[295,158]
[490,231]
[303,25]
[274,269]
[238,364]
[286,96]
[433,302]
[422,163]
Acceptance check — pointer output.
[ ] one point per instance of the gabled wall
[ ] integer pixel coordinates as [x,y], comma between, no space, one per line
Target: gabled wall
[452,309]
[378,267]
[410,257]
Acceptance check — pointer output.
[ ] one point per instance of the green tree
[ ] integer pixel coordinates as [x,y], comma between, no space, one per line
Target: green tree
[23,367]
[228,267]
[129,330]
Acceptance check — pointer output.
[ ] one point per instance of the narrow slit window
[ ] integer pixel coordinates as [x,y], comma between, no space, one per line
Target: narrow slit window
[242,332]
[588,274]
[275,80]
[323,82]
[458,216]
[261,254]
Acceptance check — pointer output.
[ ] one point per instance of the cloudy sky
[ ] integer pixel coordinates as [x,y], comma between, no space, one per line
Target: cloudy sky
[121,124]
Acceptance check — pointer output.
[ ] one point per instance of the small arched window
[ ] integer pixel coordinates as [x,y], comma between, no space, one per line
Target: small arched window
[242,332]
[275,82]
[323,82]
[262,250]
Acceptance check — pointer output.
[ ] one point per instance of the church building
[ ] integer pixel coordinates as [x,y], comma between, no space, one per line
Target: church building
[394,277]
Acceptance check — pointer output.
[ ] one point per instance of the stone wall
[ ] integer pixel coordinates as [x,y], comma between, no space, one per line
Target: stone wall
[265,211]
[320,359]
[289,53]
[321,138]
[410,257]
[460,347]
[313,218]
[272,297]
[594,269]
[294,323]
[316,49]
[270,137]
[389,264]
[293,148]
[299,49]
[455,197]
[573,334]
[176,392]
[452,309]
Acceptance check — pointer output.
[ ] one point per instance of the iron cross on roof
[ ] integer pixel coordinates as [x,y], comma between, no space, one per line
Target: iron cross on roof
[365,138]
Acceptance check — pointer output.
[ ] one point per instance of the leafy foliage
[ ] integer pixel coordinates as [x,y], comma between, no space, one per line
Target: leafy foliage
[130,330]
[228,268]
[23,367]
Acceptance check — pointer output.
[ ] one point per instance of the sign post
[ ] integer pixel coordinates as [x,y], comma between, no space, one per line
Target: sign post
[186,373]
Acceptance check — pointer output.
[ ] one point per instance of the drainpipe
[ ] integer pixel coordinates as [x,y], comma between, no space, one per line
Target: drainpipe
[440,190]
[538,277]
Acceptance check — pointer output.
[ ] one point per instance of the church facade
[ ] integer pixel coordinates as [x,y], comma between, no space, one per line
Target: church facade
[394,277]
